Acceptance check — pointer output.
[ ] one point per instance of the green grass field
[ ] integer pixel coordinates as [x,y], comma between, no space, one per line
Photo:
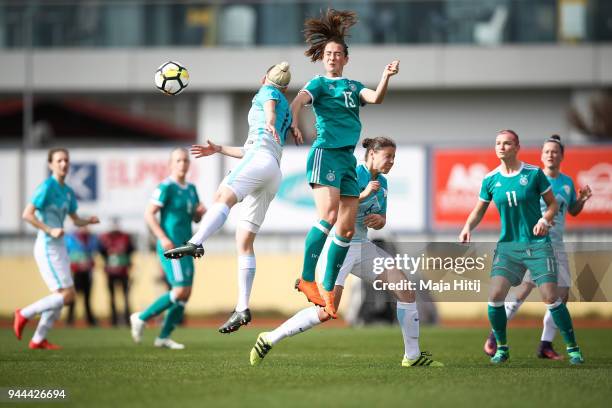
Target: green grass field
[330,367]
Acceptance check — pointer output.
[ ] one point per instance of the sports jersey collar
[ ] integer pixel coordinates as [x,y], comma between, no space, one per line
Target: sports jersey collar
[334,78]
[56,181]
[368,170]
[183,186]
[514,174]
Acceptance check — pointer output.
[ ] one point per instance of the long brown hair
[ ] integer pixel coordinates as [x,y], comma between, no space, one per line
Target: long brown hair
[331,26]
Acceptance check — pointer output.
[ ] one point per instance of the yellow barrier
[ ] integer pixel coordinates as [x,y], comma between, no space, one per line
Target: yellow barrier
[215,288]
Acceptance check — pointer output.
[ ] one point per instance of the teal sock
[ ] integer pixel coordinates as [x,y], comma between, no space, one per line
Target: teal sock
[335,258]
[315,240]
[499,321]
[162,303]
[174,315]
[563,320]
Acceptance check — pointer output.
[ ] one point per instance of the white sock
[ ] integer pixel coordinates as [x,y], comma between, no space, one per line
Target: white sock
[53,301]
[213,220]
[299,322]
[550,328]
[408,318]
[512,308]
[246,274]
[45,324]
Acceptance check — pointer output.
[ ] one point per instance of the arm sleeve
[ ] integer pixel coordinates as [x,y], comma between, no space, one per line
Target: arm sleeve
[72,206]
[485,194]
[267,93]
[313,87]
[40,196]
[543,183]
[160,195]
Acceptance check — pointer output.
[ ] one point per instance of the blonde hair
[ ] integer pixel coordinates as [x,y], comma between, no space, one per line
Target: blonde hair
[279,74]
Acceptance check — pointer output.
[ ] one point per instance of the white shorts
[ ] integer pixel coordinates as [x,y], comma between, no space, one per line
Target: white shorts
[564,278]
[359,262]
[54,264]
[255,180]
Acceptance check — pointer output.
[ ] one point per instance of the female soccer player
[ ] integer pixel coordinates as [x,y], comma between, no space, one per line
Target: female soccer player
[178,203]
[516,188]
[565,193]
[331,165]
[255,179]
[47,210]
[379,157]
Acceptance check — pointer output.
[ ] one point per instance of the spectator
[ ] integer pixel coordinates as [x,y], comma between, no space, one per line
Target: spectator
[82,246]
[116,247]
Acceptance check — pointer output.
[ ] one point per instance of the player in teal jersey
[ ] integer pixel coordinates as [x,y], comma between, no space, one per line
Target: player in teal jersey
[379,159]
[47,210]
[254,182]
[178,203]
[516,189]
[331,173]
[565,193]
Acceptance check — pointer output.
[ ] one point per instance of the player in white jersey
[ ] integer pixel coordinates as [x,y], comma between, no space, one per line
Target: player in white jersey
[359,261]
[52,201]
[565,194]
[254,180]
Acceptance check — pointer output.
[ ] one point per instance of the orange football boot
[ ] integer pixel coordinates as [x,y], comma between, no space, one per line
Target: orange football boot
[311,291]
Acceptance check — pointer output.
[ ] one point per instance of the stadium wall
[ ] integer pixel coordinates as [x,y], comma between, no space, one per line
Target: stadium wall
[215,288]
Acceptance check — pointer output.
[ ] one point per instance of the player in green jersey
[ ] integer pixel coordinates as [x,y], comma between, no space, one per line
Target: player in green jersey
[331,166]
[516,189]
[178,204]
[571,202]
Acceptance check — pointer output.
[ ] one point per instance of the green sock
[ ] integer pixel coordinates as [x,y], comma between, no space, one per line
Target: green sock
[162,303]
[563,320]
[174,315]
[499,321]
[315,240]
[335,258]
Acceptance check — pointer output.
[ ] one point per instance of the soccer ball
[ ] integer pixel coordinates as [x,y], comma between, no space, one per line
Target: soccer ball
[171,78]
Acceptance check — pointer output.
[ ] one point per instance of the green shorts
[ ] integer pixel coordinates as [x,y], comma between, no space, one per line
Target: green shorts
[511,260]
[179,272]
[335,168]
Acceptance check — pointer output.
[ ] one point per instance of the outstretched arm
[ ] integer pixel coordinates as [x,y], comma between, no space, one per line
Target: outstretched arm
[81,222]
[583,196]
[211,148]
[377,96]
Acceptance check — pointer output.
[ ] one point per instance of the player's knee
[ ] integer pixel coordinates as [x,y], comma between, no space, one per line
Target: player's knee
[330,217]
[69,296]
[549,298]
[182,294]
[497,295]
